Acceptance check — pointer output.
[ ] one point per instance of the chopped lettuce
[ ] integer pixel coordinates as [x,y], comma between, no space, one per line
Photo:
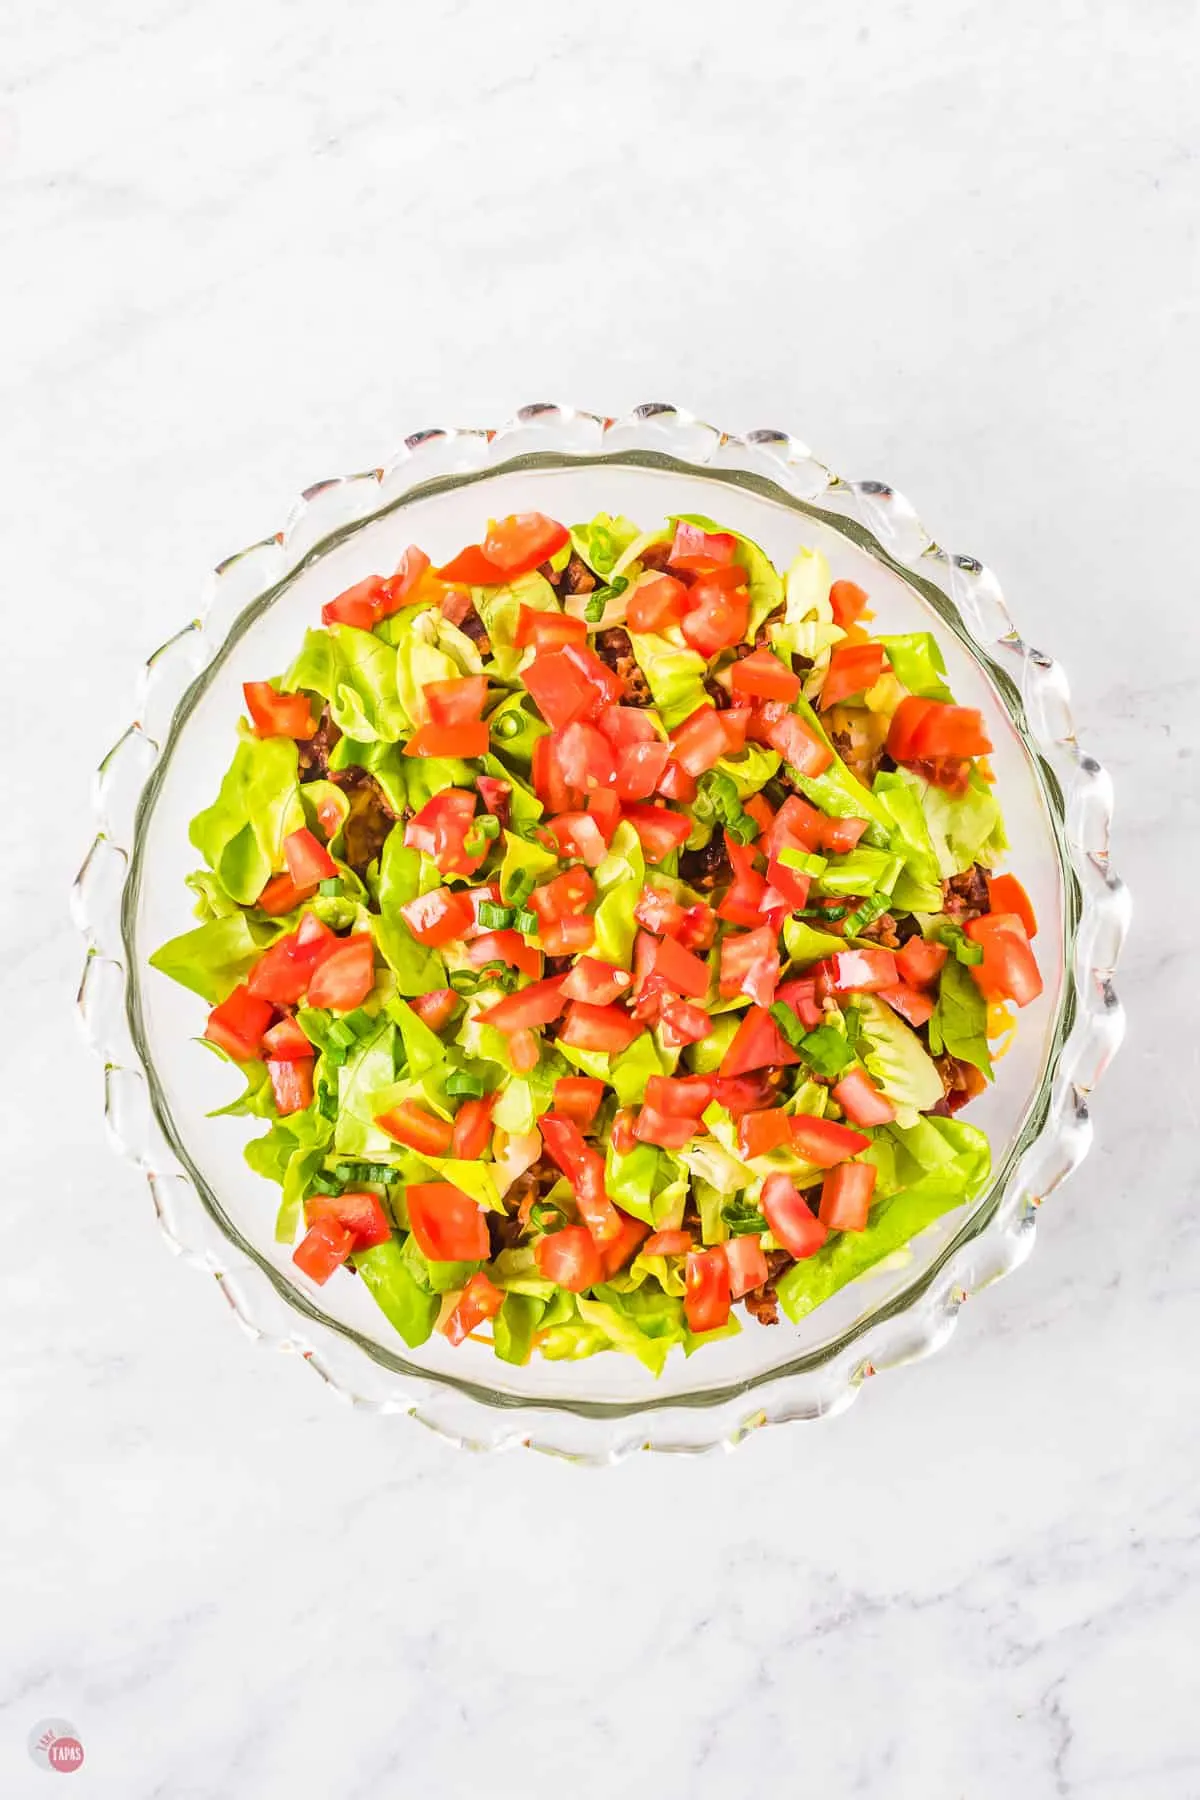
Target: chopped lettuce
[240,836]
[675,674]
[959,1022]
[514,1326]
[963,828]
[918,886]
[917,664]
[602,542]
[356,672]
[896,1058]
[500,610]
[214,958]
[619,878]
[395,1289]
[807,628]
[369,1070]
[522,867]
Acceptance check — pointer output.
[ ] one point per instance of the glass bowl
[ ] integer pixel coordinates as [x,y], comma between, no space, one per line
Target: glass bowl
[439,492]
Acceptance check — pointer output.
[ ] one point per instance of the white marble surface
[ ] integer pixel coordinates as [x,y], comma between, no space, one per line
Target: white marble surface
[247,245]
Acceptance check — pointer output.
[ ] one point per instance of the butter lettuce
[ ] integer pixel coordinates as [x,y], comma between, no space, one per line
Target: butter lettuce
[355,671]
[241,834]
[215,957]
[396,1290]
[602,542]
[918,886]
[619,878]
[675,675]
[959,1022]
[917,664]
[963,828]
[896,1058]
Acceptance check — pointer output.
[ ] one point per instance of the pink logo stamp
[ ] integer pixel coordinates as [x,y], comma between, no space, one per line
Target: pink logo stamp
[54,1744]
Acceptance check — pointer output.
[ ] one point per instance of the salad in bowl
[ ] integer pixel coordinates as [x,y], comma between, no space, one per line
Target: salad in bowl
[607,926]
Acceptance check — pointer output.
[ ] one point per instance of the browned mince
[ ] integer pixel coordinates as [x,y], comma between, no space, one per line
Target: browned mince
[965,896]
[863,763]
[762,1303]
[314,752]
[961,1082]
[577,578]
[883,930]
[658,557]
[615,648]
[474,628]
[707,867]
[369,820]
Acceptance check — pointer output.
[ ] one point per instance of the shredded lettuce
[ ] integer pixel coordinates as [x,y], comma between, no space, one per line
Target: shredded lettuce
[917,664]
[395,1289]
[963,828]
[918,886]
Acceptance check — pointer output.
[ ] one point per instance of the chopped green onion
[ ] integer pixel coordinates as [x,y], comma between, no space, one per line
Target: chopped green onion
[463,981]
[335,1055]
[602,552]
[871,909]
[320,1183]
[832,913]
[594,606]
[360,1021]
[967,951]
[520,885]
[744,829]
[327,1104]
[526,921]
[743,1219]
[488,824]
[507,726]
[331,885]
[803,861]
[788,1023]
[458,1083]
[495,918]
[825,1050]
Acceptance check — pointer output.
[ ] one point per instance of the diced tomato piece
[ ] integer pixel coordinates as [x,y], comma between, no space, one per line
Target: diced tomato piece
[658,912]
[472,1129]
[472,568]
[615,1255]
[479,1301]
[763,677]
[788,734]
[438,917]
[698,551]
[797,823]
[560,689]
[599,983]
[640,768]
[757,1044]
[735,722]
[740,1094]
[440,830]
[846,1196]
[857,971]
[824,1142]
[436,1008]
[549,783]
[791,1219]
[841,835]
[706,1283]
[281,895]
[621,1136]
[578,835]
[446,1223]
[238,1023]
[523,541]
[361,1214]
[683,1024]
[700,741]
[561,899]
[680,969]
[455,605]
[457,702]
[578,1098]
[902,732]
[760,810]
[282,973]
[329,816]
[598,1027]
[548,630]
[656,603]
[529,1007]
[570,936]
[699,928]
[308,861]
[747,1265]
[922,729]
[743,901]
[402,586]
[623,725]
[604,806]
[569,1258]
[659,830]
[449,740]
[358,605]
[345,976]
[417,1128]
[852,669]
[496,796]
[584,1169]
[287,1043]
[910,1003]
[278,715]
[608,686]
[668,1243]
[585,756]
[750,965]
[920,961]
[1006,895]
[801,995]
[652,995]
[716,619]
[848,601]
[667,1131]
[759,1132]
[506,947]
[677,784]
[680,1096]
[324,1248]
[790,886]
[524,1051]
[861,1100]
[291,1084]
[1009,969]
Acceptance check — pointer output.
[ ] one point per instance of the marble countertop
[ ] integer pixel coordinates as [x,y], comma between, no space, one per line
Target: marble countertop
[248,246]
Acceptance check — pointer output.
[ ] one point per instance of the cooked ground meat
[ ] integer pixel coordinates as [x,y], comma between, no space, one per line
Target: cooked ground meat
[474,628]
[577,578]
[883,931]
[906,928]
[505,1229]
[708,866]
[615,648]
[965,896]
[762,1303]
[856,752]
[961,1081]
[369,820]
[315,751]
[720,696]
[658,556]
[556,965]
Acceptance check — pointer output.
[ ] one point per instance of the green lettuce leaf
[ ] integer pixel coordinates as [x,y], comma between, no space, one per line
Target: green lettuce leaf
[963,828]
[214,958]
[290,1154]
[524,807]
[368,1071]
[619,878]
[356,672]
[918,886]
[630,1179]
[500,609]
[522,859]
[676,676]
[514,1326]
[805,944]
[515,730]
[807,628]
[396,1291]
[917,664]
[750,769]
[861,871]
[423,1048]
[601,542]
[959,1022]
[241,834]
[896,1058]
[625,1328]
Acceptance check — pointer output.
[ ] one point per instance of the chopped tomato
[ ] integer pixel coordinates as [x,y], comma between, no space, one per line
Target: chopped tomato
[417,1128]
[934,728]
[549,783]
[324,1248]
[281,895]
[438,917]
[801,995]
[740,1094]
[760,810]
[361,1214]
[667,1131]
[677,784]
[615,1255]
[522,541]
[750,965]
[278,715]
[291,1084]
[472,1129]
[569,1258]
[440,830]
[791,1219]
[578,835]
[857,971]
[706,1283]
[1006,895]
[846,1196]
[570,935]
[535,625]
[436,1008]
[455,605]
[345,976]
[524,1051]
[656,603]
[287,1043]
[757,1044]
[560,689]
[747,1265]
[743,902]
[449,740]
[457,702]
[717,617]
[578,1098]
[609,688]
[1009,969]
[861,1100]
[329,816]
[358,605]
[238,1023]
[659,830]
[680,1096]
[701,741]
[471,568]
[840,835]
[604,806]
[640,768]
[823,1142]
[623,725]
[584,1169]
[699,928]
[910,1003]
[529,1007]
[788,734]
[561,900]
[505,947]
[759,1132]
[788,885]
[920,961]
[680,969]
[402,586]
[848,601]
[621,1137]
[599,983]
[668,1243]
[699,551]
[908,716]
[585,756]
[308,861]
[798,824]
[852,669]
[683,1024]
[658,912]
[479,1301]
[283,972]
[735,721]
[446,1223]
[598,1027]
[764,677]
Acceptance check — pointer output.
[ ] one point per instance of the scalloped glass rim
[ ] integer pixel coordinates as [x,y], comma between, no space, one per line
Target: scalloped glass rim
[1085,1033]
